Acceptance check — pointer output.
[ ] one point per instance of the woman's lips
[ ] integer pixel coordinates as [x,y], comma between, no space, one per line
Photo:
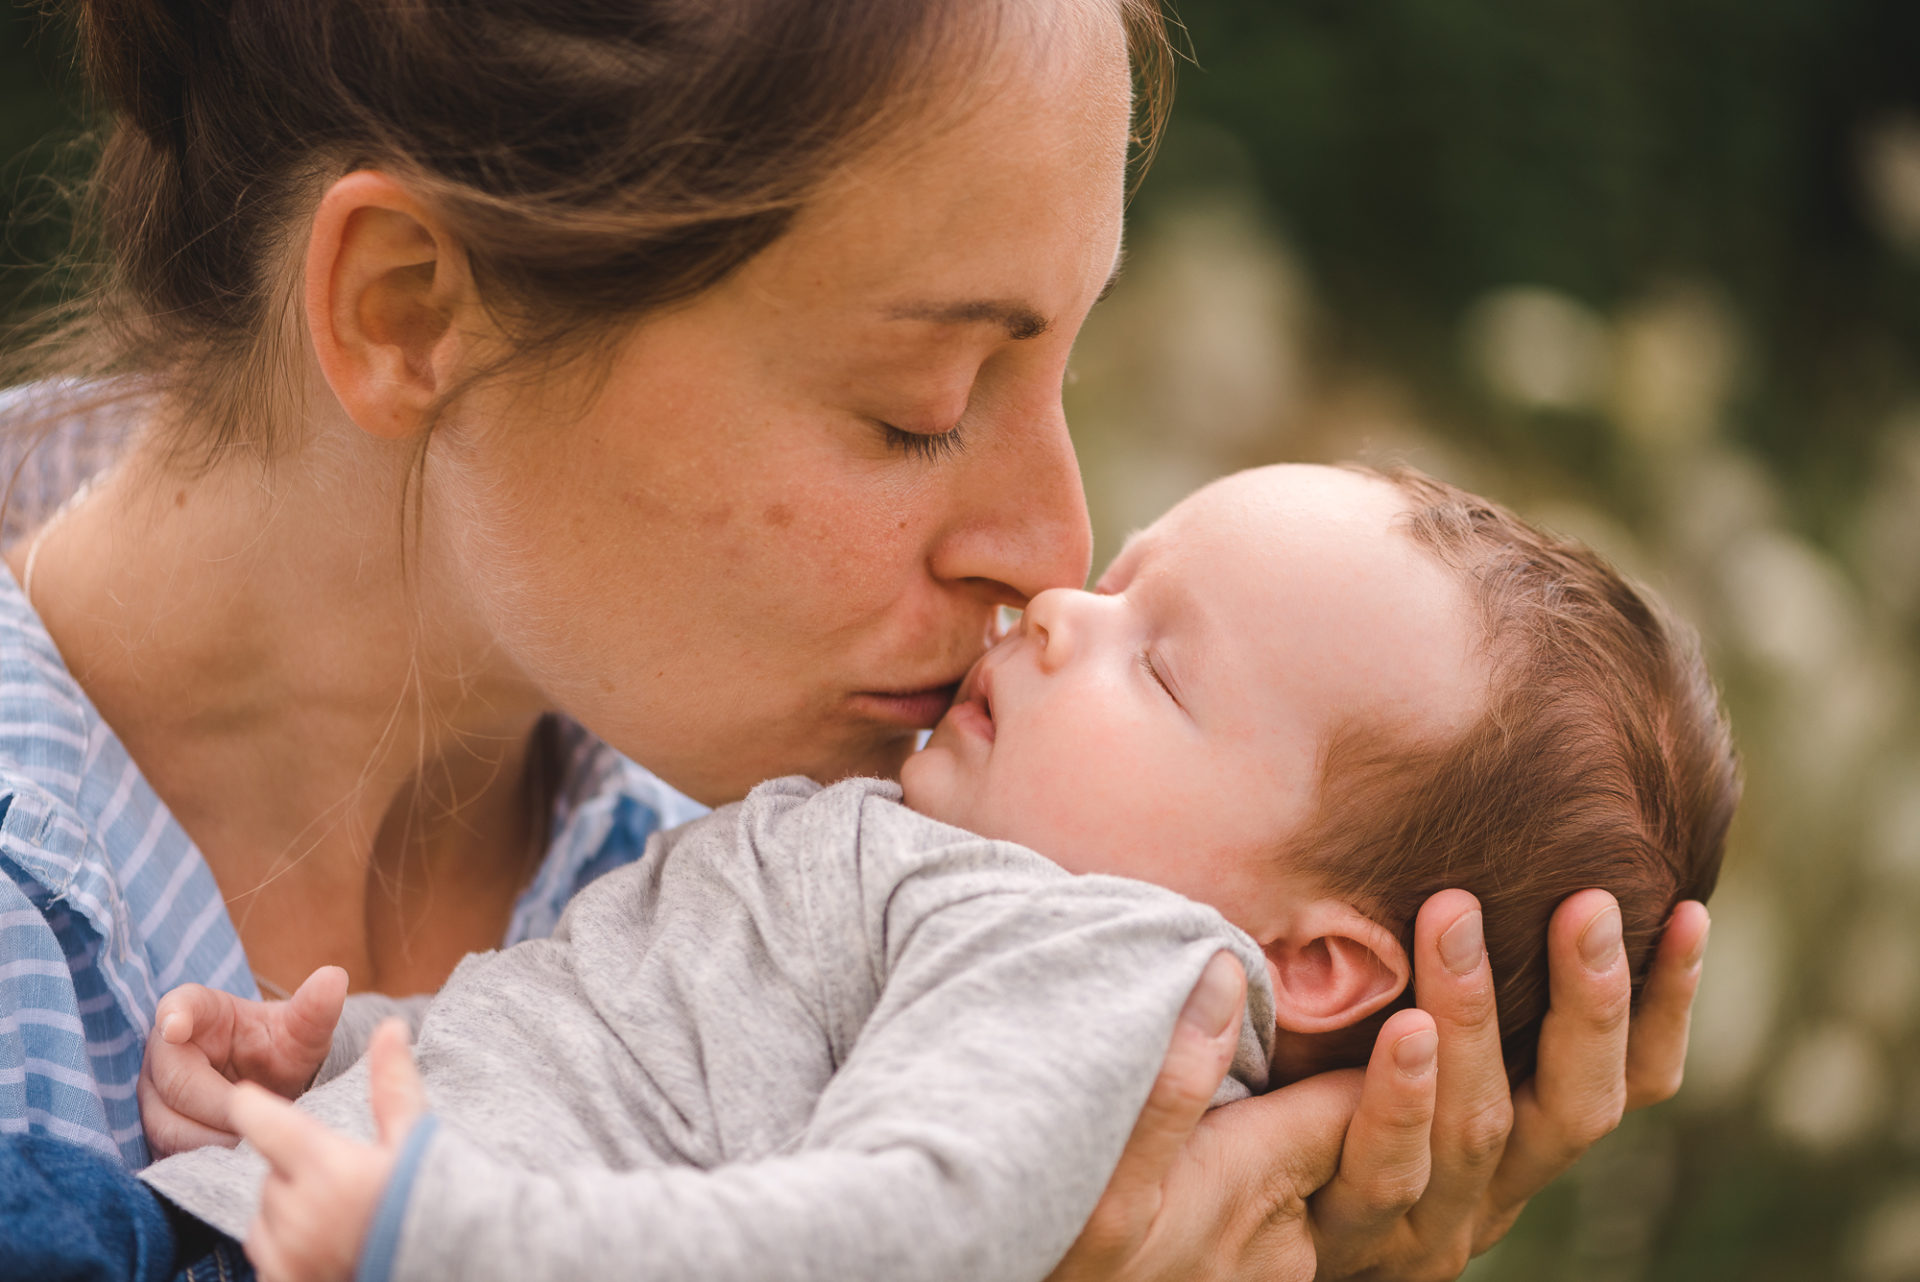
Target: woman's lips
[910,709]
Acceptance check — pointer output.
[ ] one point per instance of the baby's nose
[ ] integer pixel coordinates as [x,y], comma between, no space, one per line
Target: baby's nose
[1055,619]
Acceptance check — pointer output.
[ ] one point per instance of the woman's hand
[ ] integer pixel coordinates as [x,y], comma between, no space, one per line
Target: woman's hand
[1435,1165]
[204,1041]
[323,1188]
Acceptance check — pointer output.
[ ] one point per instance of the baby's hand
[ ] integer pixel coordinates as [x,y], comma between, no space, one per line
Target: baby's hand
[324,1188]
[204,1041]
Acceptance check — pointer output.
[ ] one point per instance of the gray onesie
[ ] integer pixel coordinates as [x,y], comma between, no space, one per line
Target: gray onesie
[811,1036]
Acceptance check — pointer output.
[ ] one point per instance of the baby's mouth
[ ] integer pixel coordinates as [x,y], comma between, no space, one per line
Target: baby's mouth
[972,712]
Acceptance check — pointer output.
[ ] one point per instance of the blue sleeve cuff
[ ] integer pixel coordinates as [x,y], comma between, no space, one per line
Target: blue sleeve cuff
[383,1237]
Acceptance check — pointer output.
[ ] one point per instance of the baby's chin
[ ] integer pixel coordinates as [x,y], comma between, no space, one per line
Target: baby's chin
[929,782]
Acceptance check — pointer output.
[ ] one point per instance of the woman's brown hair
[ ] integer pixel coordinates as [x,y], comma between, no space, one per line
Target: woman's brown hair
[595,159]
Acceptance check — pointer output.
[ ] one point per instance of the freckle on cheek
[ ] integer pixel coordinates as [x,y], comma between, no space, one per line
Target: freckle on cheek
[778,515]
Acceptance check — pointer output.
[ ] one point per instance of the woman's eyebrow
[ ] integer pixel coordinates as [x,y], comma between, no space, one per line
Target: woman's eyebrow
[1020,320]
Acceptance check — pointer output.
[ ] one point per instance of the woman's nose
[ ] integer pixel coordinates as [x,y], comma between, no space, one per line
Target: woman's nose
[1022,526]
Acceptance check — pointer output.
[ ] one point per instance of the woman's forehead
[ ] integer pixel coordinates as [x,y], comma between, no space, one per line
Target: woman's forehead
[1002,207]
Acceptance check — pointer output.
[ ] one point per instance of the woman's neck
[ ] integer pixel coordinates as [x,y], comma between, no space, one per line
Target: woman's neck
[348,752]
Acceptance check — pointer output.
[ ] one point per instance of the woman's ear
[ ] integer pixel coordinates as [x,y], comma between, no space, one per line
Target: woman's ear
[1332,966]
[384,285]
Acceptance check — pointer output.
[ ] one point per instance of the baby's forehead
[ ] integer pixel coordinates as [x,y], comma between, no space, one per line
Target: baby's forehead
[1300,509]
[1315,591]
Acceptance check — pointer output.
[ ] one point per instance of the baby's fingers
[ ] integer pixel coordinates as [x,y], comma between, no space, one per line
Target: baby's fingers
[308,1020]
[266,1253]
[169,1131]
[399,1097]
[177,1081]
[193,1012]
[289,1139]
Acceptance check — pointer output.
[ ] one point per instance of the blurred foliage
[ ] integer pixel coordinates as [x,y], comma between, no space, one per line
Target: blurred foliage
[43,156]
[1648,270]
[1422,152]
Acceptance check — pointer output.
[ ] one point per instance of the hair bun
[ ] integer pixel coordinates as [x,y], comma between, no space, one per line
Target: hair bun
[138,55]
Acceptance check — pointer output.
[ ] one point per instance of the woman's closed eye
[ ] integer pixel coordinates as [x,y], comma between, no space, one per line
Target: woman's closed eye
[929,447]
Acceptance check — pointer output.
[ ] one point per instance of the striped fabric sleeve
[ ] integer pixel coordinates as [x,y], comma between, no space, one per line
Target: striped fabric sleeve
[47,1082]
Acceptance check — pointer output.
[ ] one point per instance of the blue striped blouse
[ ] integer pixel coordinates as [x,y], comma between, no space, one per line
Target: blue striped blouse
[105,903]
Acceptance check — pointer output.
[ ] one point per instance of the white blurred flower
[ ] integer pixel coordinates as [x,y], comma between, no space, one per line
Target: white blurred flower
[1232,311]
[1885,1244]
[1129,486]
[1893,822]
[1787,603]
[1538,348]
[1887,529]
[1676,358]
[1739,993]
[1203,344]
[1831,1088]
[1833,720]
[1889,156]
[1711,498]
[1875,975]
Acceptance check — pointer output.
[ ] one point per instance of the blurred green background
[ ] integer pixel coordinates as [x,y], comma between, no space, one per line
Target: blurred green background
[1648,270]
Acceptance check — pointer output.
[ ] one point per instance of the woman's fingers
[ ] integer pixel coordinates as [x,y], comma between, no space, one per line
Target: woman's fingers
[1388,1157]
[1578,1089]
[1197,1060]
[1657,1046]
[1473,1110]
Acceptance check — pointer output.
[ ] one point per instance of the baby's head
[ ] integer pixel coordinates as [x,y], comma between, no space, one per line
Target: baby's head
[1312,697]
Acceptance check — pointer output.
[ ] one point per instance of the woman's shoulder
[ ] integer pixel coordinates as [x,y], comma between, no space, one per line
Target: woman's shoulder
[606,808]
[104,903]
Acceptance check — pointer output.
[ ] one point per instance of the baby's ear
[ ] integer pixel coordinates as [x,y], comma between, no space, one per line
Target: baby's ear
[1332,966]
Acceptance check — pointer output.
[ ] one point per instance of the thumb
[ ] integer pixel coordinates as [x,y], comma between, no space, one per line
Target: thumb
[1197,1060]
[399,1097]
[311,1013]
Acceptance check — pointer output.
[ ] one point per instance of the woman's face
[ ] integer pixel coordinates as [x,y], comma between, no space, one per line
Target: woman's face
[775,538]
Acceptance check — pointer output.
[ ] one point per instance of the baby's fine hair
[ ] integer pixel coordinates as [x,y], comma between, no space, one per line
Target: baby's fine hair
[1603,758]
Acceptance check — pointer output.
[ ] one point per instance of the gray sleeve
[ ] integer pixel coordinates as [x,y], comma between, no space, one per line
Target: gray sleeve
[358,1018]
[986,1091]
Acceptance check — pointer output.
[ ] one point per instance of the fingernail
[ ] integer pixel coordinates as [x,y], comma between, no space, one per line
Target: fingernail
[1699,953]
[167,1026]
[1414,1052]
[1461,945]
[1213,1005]
[1600,941]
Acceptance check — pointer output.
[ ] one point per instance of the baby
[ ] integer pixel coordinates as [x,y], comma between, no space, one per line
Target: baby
[822,1033]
